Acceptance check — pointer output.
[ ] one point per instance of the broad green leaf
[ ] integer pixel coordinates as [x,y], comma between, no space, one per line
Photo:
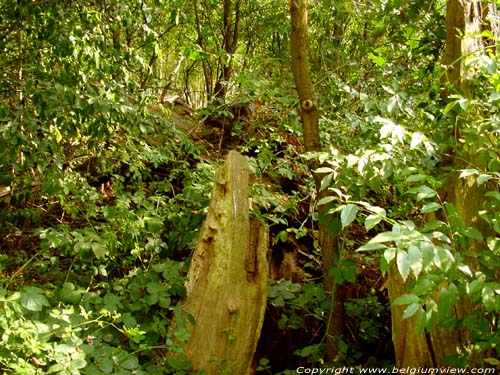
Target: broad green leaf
[69,293]
[389,255]
[386,237]
[323,170]
[32,298]
[348,214]
[473,233]
[403,264]
[326,200]
[415,259]
[154,224]
[433,225]
[423,192]
[406,299]
[464,268]
[377,210]
[492,361]
[431,314]
[371,247]
[371,221]
[416,140]
[410,310]
[130,362]
[326,181]
[483,178]
[450,106]
[488,297]
[421,321]
[423,286]
[379,60]
[468,172]
[99,250]
[447,298]
[475,286]
[349,270]
[430,207]
[334,227]
[415,178]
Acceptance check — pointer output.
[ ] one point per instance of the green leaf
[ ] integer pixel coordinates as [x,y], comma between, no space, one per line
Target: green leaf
[326,182]
[475,286]
[334,227]
[348,214]
[349,270]
[488,297]
[468,172]
[430,207]
[69,293]
[483,178]
[450,106]
[416,140]
[423,192]
[100,250]
[32,298]
[415,259]
[447,298]
[131,362]
[153,224]
[326,200]
[371,247]
[421,321]
[492,361]
[403,263]
[371,221]
[386,237]
[323,170]
[410,310]
[473,233]
[415,178]
[406,299]
[431,314]
[389,255]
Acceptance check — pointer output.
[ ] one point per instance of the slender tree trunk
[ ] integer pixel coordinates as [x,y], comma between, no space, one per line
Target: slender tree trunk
[309,116]
[231,35]
[207,69]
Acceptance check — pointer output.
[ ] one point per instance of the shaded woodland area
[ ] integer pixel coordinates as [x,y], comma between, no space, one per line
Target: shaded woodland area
[249,187]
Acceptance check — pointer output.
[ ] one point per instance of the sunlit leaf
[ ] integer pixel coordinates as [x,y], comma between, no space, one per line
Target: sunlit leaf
[410,310]
[348,214]
[403,263]
[371,221]
[430,207]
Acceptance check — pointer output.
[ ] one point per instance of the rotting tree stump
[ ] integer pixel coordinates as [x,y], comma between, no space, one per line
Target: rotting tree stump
[227,279]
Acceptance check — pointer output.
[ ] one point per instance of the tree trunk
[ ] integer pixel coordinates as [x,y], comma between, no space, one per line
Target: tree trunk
[309,116]
[227,280]
[231,35]
[429,350]
[451,59]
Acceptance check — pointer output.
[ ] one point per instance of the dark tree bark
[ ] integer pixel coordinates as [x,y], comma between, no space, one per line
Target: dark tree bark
[231,35]
[309,116]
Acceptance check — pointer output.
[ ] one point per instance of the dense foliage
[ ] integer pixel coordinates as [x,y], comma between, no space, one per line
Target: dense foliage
[107,163]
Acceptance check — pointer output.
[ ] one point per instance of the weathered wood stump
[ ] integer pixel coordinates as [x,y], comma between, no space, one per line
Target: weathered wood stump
[227,279]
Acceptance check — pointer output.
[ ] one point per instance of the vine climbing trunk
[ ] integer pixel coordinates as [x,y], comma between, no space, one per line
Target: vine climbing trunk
[309,116]
[227,280]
